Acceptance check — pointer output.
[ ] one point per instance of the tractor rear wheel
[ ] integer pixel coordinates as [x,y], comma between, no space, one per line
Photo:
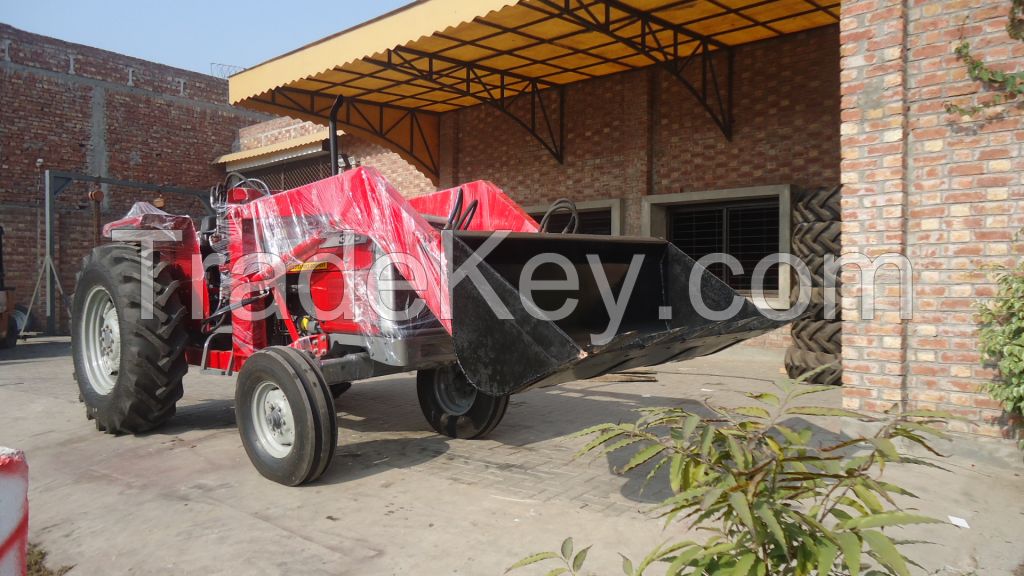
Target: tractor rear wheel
[455,408]
[285,416]
[128,368]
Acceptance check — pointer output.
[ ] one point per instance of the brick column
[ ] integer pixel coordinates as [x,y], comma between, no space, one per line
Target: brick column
[941,189]
[873,141]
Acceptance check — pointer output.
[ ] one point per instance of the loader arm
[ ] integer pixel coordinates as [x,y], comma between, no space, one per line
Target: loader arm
[635,303]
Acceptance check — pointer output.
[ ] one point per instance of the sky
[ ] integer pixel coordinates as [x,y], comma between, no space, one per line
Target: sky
[192,34]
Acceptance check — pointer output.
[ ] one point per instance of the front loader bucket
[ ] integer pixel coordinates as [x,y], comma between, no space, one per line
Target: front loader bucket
[505,345]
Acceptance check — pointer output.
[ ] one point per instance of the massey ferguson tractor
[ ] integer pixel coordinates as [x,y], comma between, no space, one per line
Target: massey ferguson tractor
[301,293]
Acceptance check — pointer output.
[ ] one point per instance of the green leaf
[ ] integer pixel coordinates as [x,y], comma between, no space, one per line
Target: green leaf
[706,439]
[743,566]
[532,560]
[885,519]
[558,571]
[600,440]
[690,424]
[849,543]
[621,444]
[766,397]
[826,558]
[768,517]
[738,455]
[643,456]
[627,566]
[886,552]
[710,498]
[592,430]
[580,558]
[887,448]
[739,504]
[753,412]
[823,411]
[868,498]
[684,559]
[675,473]
[806,389]
[567,548]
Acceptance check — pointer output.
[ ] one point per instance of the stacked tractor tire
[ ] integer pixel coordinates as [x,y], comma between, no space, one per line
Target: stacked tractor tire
[817,340]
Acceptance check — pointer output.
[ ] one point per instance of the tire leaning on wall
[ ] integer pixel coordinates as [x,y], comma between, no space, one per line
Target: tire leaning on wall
[817,340]
[817,205]
[799,362]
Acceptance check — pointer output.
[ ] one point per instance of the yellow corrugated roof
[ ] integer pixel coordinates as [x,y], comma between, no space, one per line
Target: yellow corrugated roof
[530,38]
[282,146]
[399,72]
[411,22]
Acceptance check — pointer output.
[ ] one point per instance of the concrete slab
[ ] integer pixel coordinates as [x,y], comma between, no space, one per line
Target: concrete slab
[400,499]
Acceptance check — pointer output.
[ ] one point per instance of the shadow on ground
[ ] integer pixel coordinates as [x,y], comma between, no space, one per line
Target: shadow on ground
[29,350]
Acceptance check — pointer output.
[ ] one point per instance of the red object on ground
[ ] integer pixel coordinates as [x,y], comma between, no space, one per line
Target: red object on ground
[13,512]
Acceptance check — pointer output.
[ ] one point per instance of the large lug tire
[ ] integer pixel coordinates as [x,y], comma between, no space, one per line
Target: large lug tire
[820,336]
[453,407]
[286,417]
[818,205]
[812,243]
[800,362]
[815,309]
[128,368]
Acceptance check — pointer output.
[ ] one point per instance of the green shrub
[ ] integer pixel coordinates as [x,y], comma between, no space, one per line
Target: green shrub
[1001,339]
[774,499]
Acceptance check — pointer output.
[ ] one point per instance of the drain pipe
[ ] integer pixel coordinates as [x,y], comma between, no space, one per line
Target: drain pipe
[332,138]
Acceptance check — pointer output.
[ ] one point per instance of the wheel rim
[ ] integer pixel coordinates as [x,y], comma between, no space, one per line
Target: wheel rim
[453,392]
[100,334]
[272,417]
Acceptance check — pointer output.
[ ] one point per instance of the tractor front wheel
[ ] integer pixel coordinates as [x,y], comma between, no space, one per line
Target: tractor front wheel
[128,363]
[455,408]
[285,416]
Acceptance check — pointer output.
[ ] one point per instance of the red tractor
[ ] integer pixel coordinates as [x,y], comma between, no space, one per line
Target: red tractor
[303,292]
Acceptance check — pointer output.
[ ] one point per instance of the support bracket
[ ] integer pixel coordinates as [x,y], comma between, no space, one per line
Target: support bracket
[536,105]
[414,134]
[697,66]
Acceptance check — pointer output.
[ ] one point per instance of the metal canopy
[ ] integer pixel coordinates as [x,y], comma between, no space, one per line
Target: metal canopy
[435,56]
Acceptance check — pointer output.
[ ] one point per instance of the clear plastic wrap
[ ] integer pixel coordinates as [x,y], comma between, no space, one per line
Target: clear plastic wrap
[145,216]
[393,279]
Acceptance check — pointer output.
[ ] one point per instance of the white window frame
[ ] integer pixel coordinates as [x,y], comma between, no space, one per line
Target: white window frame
[654,221]
[614,204]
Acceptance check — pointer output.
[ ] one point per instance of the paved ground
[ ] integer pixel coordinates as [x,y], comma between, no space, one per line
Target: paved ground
[400,499]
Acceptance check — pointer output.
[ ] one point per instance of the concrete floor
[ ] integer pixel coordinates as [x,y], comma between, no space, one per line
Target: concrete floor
[398,498]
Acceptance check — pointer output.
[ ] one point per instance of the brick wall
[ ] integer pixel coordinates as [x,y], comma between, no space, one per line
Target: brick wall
[402,175]
[86,110]
[274,131]
[942,190]
[641,133]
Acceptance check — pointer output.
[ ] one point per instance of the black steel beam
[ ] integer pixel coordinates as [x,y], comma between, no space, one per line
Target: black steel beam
[405,131]
[712,91]
[542,118]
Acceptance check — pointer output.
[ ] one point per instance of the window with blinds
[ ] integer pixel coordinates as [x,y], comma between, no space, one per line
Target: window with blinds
[747,230]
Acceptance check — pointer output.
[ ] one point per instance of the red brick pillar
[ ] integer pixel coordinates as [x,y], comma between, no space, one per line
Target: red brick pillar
[873,142]
[942,189]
